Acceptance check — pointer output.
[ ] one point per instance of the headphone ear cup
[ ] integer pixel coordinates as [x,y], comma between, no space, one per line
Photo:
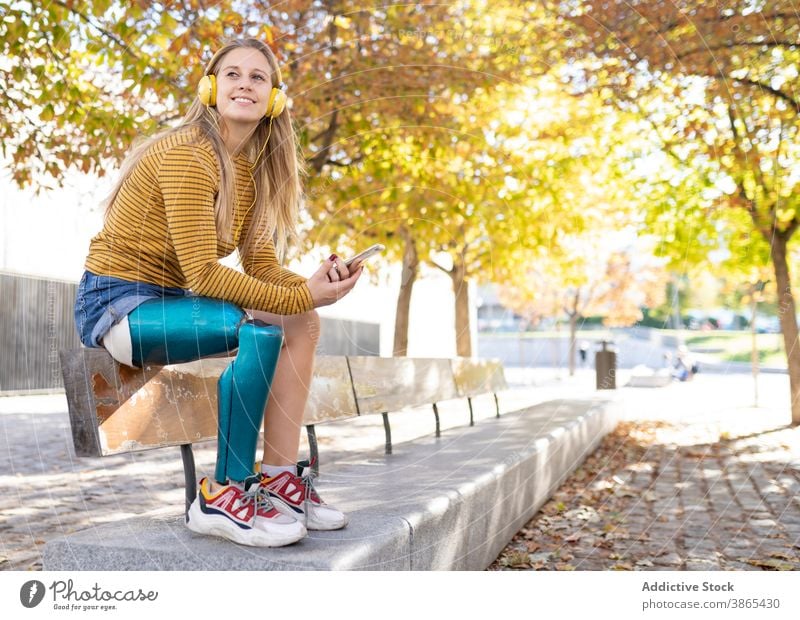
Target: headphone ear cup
[207,90]
[276,104]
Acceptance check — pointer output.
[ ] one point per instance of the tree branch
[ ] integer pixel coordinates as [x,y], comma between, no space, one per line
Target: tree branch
[321,157]
[717,18]
[733,45]
[749,204]
[438,266]
[766,88]
[127,49]
[343,164]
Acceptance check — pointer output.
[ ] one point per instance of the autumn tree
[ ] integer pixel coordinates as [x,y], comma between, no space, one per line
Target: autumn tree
[591,275]
[83,78]
[503,177]
[729,67]
[439,184]
[93,75]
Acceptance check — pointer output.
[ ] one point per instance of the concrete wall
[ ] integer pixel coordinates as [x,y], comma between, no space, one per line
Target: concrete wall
[342,337]
[35,322]
[516,351]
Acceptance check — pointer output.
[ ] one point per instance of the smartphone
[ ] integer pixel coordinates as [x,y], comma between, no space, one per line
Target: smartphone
[361,257]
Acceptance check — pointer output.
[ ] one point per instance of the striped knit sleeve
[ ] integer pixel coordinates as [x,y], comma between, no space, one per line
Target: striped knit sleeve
[187,180]
[263,264]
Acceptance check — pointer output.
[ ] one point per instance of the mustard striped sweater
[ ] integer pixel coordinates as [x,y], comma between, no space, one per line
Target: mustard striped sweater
[161,229]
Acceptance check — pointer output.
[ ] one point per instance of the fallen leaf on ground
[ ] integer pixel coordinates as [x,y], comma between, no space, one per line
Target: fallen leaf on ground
[770,564]
[622,566]
[517,559]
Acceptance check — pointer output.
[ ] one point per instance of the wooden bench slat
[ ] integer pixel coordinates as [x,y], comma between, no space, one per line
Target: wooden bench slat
[75,368]
[389,384]
[473,377]
[176,405]
[331,396]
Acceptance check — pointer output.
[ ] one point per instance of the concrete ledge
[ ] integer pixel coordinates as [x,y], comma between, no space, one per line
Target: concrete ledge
[449,504]
[654,380]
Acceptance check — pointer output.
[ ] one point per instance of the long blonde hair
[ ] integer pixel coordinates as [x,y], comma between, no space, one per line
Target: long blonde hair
[276,175]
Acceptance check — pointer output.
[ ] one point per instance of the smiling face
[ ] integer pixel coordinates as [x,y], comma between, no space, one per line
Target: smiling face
[244,83]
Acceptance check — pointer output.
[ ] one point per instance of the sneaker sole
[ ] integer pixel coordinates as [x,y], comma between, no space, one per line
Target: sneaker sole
[313,524]
[222,527]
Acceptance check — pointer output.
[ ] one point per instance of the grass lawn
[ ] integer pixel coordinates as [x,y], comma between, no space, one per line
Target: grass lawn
[735,346]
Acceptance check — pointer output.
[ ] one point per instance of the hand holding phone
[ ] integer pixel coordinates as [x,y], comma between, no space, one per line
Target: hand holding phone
[362,256]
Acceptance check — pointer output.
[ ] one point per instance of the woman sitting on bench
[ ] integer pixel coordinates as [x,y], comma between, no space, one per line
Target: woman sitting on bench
[226,179]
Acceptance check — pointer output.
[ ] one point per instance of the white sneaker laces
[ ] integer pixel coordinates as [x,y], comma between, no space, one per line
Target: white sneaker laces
[259,496]
[308,482]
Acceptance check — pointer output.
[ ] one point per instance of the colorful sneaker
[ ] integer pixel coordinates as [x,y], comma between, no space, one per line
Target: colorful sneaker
[294,495]
[245,517]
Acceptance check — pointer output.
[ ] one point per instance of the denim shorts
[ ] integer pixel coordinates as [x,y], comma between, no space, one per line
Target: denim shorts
[103,301]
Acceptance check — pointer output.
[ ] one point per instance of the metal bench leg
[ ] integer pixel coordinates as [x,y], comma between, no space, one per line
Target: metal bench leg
[313,448]
[189,474]
[496,404]
[471,418]
[388,430]
[436,413]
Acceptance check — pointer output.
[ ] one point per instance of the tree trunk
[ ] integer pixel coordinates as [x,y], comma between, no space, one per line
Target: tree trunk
[677,323]
[787,313]
[574,315]
[461,290]
[573,332]
[409,275]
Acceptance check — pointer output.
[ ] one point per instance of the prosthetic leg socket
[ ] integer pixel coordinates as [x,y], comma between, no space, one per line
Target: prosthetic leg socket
[181,329]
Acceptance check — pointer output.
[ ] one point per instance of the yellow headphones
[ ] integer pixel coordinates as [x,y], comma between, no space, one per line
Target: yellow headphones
[207,93]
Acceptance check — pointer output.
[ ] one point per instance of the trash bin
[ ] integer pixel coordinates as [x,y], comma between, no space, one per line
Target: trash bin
[605,364]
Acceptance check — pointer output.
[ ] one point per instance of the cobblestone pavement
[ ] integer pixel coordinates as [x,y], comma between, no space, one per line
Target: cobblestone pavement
[716,487]
[719,494]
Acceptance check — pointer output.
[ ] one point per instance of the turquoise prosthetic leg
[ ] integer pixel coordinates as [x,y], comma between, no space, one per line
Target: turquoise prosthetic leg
[181,329]
[243,390]
[172,330]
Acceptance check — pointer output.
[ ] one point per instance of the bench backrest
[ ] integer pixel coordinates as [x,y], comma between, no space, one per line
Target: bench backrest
[384,384]
[115,409]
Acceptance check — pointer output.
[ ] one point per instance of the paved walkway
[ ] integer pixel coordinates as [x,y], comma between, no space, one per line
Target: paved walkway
[696,501]
[694,480]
